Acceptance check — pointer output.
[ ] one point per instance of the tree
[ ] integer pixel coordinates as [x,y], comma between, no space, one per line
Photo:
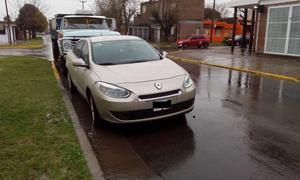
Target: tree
[121,10]
[40,4]
[208,12]
[166,14]
[221,11]
[129,10]
[32,19]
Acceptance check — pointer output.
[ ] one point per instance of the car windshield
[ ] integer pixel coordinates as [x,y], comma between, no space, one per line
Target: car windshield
[188,37]
[123,52]
[85,23]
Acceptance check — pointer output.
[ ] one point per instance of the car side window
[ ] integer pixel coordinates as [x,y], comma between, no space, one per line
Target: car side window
[85,52]
[77,49]
[194,37]
[201,37]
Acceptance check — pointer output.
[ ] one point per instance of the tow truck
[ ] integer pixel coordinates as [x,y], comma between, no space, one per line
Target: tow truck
[67,29]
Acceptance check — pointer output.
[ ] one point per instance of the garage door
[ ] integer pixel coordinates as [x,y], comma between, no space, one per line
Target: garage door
[283,31]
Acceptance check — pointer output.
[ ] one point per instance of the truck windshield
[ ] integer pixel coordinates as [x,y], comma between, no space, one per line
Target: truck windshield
[85,23]
[123,52]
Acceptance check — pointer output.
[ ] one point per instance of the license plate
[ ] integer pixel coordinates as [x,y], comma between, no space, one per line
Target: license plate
[161,105]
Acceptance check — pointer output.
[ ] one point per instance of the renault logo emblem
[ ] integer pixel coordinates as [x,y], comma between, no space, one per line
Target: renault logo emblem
[157,85]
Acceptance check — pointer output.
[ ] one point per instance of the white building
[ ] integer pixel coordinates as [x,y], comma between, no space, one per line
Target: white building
[4,33]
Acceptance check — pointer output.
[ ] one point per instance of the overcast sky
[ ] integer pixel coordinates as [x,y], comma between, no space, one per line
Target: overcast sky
[63,6]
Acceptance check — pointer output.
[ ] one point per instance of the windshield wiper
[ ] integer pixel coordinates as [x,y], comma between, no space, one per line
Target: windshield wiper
[140,61]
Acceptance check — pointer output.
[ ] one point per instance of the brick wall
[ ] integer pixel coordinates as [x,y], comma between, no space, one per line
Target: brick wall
[191,10]
[262,31]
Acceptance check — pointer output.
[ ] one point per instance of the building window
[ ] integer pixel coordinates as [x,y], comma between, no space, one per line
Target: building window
[283,34]
[2,29]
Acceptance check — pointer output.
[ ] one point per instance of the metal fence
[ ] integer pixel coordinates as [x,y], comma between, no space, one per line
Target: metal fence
[139,31]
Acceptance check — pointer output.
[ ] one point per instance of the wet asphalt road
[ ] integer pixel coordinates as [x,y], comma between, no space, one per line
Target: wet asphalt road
[242,127]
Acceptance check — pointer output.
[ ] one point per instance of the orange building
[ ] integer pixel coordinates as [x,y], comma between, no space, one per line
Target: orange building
[222,30]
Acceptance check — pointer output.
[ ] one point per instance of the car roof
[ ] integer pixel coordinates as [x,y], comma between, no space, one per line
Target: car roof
[113,38]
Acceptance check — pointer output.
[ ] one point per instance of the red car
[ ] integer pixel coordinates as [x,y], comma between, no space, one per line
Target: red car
[197,40]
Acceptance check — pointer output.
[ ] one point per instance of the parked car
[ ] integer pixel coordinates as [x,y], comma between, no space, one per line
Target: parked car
[238,40]
[198,40]
[125,80]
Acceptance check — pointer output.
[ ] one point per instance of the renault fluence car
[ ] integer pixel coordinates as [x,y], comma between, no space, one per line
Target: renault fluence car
[125,80]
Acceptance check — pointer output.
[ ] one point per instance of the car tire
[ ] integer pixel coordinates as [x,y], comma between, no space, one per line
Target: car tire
[71,86]
[205,45]
[96,119]
[55,50]
[185,46]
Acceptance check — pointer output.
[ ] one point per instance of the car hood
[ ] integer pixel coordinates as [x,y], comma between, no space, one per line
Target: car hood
[139,72]
[89,33]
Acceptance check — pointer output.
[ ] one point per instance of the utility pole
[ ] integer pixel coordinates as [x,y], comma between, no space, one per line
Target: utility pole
[83,1]
[8,23]
[212,22]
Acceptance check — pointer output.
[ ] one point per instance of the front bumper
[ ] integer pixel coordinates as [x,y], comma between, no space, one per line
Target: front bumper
[133,109]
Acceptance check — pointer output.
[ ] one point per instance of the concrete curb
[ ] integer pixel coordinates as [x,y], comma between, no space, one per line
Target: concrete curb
[85,145]
[257,73]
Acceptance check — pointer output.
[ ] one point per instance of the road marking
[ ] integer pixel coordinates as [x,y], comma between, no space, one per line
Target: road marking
[55,72]
[258,73]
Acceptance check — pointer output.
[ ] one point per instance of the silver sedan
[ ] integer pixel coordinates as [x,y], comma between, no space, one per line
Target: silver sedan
[125,80]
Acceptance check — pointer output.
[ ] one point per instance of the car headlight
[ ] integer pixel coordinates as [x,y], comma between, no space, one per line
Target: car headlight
[66,45]
[188,82]
[113,90]
[180,42]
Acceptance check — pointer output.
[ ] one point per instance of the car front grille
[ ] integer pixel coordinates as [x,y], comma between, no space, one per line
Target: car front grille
[150,113]
[74,42]
[159,95]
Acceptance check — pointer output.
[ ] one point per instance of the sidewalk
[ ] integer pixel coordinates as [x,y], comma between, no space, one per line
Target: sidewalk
[45,52]
[288,66]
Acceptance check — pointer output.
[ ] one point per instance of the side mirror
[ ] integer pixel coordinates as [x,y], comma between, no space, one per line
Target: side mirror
[164,54]
[79,63]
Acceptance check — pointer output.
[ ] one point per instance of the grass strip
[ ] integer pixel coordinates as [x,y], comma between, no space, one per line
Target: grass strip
[36,43]
[37,138]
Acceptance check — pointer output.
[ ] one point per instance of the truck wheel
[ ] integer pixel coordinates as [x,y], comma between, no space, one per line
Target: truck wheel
[55,50]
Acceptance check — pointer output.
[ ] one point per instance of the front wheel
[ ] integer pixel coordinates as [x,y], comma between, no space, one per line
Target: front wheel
[205,45]
[185,46]
[55,50]
[96,119]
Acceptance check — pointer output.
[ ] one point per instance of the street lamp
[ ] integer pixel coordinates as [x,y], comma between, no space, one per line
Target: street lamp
[83,1]
[212,22]
[8,24]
